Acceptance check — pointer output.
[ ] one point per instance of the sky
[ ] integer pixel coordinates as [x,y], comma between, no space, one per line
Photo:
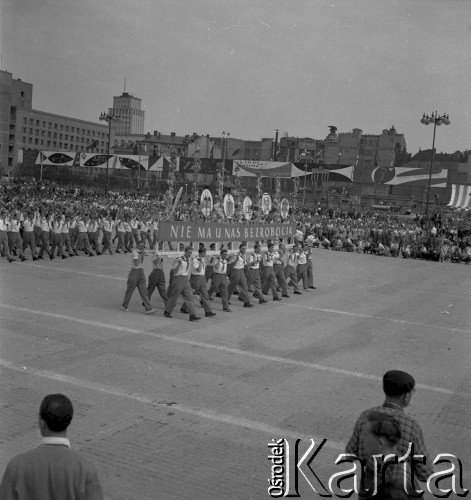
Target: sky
[249,67]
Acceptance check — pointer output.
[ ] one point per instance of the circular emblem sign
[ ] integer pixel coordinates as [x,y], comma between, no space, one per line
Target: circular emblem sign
[247,208]
[206,202]
[266,203]
[229,206]
[284,210]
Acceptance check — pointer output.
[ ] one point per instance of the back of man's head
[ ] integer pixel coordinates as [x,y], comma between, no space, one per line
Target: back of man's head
[396,383]
[57,411]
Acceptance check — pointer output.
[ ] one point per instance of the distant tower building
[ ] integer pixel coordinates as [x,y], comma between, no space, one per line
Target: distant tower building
[128,109]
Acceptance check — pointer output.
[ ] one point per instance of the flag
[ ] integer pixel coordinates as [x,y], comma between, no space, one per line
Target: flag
[211,153]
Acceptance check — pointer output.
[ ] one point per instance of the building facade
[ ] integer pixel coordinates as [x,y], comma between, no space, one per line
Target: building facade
[23,128]
[127,109]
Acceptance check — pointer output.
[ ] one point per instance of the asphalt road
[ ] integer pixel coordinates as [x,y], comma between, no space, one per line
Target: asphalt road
[168,408]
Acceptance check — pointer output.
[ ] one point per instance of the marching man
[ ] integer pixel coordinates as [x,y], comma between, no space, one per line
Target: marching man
[179,285]
[137,279]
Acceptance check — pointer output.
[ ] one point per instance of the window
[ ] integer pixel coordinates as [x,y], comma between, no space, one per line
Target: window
[66,145]
[25,121]
[83,140]
[31,121]
[24,139]
[48,143]
[49,134]
[30,140]
[88,133]
[62,127]
[54,144]
[42,142]
[55,126]
[55,135]
[43,133]
[35,141]
[37,123]
[66,137]
[88,141]
[93,133]
[60,145]
[66,128]
[31,131]
[44,124]
[49,125]
[36,132]
[24,130]
[72,129]
[60,136]
[22,94]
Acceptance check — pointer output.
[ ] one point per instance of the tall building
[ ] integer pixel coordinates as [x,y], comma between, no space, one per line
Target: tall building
[131,117]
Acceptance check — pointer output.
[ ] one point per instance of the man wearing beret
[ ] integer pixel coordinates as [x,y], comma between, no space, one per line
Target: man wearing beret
[398,387]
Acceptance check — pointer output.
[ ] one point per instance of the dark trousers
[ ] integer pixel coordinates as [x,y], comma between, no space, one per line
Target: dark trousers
[301,273]
[157,280]
[269,281]
[56,244]
[280,278]
[136,279]
[65,241]
[4,244]
[253,280]
[198,283]
[291,277]
[44,243]
[219,284]
[15,241]
[179,285]
[238,279]
[29,241]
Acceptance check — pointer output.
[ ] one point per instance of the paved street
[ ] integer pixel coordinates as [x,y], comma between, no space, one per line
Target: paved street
[171,409]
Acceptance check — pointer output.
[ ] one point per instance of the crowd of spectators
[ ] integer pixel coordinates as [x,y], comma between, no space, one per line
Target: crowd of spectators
[443,237]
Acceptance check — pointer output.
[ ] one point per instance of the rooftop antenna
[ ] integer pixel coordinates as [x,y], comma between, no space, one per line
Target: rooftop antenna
[124,91]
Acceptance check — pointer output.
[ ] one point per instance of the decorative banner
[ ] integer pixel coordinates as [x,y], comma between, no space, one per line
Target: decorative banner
[229,205]
[252,168]
[94,160]
[266,203]
[284,208]
[187,231]
[247,208]
[56,158]
[206,202]
[132,162]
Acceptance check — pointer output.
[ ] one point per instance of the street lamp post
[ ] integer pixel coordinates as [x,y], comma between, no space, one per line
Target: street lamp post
[436,119]
[108,117]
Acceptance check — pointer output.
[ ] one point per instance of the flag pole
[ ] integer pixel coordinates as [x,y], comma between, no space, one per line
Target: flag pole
[41,174]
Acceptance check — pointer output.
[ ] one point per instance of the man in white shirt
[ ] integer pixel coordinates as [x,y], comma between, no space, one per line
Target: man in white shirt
[65,238]
[198,281]
[179,285]
[237,278]
[290,269]
[269,281]
[45,229]
[137,279]
[56,231]
[278,269]
[14,238]
[254,274]
[106,225]
[28,234]
[3,236]
[219,279]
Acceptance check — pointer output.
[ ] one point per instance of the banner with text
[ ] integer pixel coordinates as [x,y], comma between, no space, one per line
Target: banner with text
[184,231]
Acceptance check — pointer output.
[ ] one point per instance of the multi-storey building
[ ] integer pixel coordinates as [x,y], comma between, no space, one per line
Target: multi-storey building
[295,149]
[131,117]
[22,127]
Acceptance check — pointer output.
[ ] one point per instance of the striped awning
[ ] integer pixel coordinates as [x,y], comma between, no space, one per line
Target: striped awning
[460,196]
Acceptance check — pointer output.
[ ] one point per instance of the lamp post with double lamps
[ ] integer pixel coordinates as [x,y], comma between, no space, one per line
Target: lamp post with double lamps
[437,120]
[108,117]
